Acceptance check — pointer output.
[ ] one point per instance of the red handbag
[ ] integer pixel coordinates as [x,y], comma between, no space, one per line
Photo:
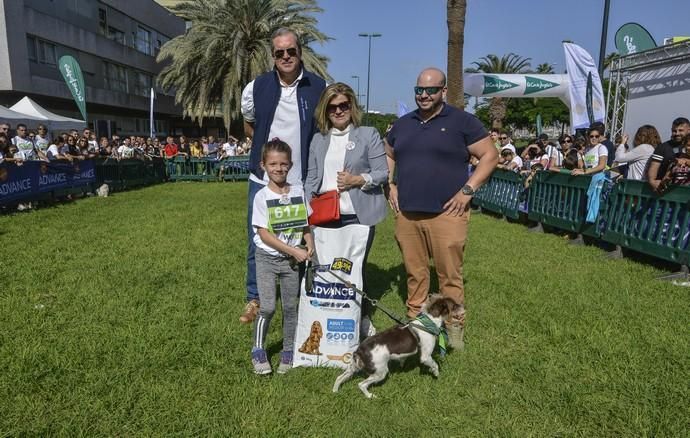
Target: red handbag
[325,208]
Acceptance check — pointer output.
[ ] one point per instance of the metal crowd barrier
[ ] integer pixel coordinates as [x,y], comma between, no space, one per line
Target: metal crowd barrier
[560,200]
[206,169]
[501,194]
[127,174]
[655,225]
[630,216]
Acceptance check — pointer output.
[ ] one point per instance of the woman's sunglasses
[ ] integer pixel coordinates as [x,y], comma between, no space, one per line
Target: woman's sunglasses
[345,106]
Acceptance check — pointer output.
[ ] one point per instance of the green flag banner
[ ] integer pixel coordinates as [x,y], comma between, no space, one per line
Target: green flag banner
[71,72]
[494,84]
[633,38]
[535,85]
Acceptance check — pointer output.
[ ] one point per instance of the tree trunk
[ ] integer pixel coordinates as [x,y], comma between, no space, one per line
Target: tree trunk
[497,111]
[455,15]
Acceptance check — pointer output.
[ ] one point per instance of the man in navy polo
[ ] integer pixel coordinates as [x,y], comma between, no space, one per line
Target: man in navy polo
[279,103]
[431,148]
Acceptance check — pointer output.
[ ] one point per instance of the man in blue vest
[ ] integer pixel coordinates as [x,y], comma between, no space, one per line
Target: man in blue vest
[280,104]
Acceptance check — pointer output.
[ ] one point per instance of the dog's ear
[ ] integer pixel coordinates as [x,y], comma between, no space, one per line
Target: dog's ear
[430,300]
[437,307]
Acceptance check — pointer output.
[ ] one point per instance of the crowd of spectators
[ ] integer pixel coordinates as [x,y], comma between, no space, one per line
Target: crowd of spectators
[23,145]
[645,158]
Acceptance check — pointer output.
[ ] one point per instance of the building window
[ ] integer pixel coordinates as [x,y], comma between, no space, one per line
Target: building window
[143,43]
[102,22]
[115,77]
[160,42]
[116,35]
[31,47]
[142,84]
[41,51]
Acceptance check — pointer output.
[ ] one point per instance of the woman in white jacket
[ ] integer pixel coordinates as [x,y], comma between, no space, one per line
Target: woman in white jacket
[636,157]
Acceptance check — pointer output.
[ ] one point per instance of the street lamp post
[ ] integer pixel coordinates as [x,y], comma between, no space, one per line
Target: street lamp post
[370,36]
[358,95]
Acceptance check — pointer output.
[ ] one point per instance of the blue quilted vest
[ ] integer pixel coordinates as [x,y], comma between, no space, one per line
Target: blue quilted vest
[266,97]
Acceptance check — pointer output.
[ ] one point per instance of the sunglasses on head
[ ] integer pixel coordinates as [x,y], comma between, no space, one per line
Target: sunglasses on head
[292,52]
[429,90]
[345,106]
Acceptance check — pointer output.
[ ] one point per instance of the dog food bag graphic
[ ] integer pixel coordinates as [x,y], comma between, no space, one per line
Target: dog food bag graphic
[329,309]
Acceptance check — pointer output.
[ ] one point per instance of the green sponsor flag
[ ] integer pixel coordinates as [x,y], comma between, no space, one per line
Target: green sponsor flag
[633,38]
[494,84]
[535,85]
[69,67]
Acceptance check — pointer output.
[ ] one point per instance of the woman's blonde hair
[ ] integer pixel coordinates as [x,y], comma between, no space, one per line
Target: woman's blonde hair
[333,90]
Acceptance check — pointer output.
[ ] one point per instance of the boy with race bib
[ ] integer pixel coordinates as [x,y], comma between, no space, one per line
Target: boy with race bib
[280,223]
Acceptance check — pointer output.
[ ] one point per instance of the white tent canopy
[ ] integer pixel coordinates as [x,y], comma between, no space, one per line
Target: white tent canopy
[14,117]
[54,121]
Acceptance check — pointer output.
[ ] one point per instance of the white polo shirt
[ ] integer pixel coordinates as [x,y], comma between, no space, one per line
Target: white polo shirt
[286,125]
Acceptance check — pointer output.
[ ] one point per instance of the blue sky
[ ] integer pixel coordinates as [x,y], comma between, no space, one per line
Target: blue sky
[415,35]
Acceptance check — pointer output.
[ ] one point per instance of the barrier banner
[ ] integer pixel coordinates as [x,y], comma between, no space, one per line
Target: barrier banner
[329,313]
[54,176]
[33,177]
[16,182]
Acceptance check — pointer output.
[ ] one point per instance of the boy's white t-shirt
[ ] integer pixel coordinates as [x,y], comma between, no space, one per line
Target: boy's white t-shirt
[291,217]
[592,156]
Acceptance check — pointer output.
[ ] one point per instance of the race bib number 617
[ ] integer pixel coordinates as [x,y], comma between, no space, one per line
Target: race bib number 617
[285,216]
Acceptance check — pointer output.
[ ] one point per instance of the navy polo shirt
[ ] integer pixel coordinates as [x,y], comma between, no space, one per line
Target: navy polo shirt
[431,158]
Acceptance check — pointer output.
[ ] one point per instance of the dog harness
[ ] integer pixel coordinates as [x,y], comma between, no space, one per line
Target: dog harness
[429,327]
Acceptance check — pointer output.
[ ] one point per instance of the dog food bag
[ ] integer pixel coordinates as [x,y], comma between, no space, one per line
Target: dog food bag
[329,309]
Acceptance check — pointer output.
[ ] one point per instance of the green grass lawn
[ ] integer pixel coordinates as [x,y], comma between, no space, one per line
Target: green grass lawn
[119,316]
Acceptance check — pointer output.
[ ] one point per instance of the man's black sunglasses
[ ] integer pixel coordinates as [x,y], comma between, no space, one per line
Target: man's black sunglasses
[278,54]
[429,90]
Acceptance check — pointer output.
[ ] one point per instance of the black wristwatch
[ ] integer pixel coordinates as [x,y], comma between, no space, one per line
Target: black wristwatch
[467,190]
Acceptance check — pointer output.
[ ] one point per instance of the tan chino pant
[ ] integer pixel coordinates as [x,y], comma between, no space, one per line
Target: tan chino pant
[440,237]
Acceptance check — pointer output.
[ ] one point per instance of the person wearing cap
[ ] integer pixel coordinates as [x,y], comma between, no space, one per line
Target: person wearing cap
[511,161]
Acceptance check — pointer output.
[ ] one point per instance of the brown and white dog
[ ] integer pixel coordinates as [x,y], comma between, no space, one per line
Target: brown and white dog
[398,343]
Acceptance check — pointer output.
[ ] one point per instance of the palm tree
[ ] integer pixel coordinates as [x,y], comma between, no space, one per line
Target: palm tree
[455,16]
[229,44]
[545,68]
[510,63]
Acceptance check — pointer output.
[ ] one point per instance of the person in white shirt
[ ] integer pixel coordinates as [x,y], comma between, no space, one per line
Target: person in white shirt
[125,151]
[506,142]
[25,147]
[595,156]
[229,148]
[42,140]
[636,157]
[511,161]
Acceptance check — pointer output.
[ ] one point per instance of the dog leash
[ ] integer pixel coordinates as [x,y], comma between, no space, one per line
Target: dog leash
[374,302]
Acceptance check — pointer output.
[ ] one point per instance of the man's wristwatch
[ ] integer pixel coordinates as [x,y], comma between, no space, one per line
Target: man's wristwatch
[467,190]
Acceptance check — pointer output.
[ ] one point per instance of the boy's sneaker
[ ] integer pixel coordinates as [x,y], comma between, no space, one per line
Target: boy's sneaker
[260,362]
[285,362]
